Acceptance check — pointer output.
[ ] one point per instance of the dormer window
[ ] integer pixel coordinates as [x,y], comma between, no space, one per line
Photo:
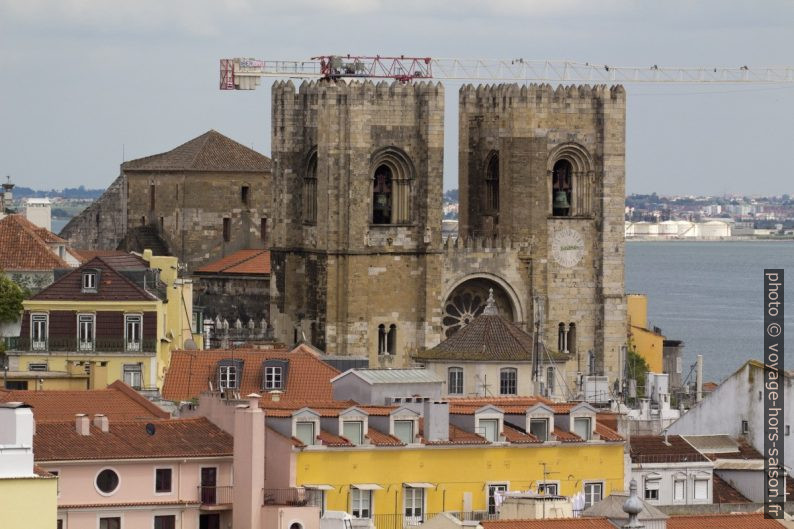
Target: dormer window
[404,431]
[582,427]
[353,431]
[274,375]
[304,431]
[539,428]
[230,371]
[90,278]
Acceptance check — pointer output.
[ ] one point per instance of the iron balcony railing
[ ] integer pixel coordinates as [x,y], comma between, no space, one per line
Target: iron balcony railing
[100,345]
[401,521]
[296,497]
[222,495]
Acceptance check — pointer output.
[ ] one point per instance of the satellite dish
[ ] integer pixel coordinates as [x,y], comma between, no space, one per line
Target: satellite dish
[150,429]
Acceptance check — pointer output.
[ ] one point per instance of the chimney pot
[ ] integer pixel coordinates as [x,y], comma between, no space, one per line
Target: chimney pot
[81,424]
[253,400]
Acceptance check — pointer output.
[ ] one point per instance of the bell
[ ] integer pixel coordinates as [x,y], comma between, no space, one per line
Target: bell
[561,200]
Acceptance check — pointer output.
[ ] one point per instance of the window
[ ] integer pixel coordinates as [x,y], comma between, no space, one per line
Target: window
[273,378]
[414,503]
[132,375]
[310,191]
[227,376]
[549,489]
[701,489]
[245,195]
[593,493]
[38,332]
[550,376]
[167,521]
[387,340]
[316,498]
[745,427]
[107,481]
[263,230]
[562,188]
[508,383]
[361,503]
[227,229]
[494,489]
[85,332]
[455,381]
[489,428]
[570,340]
[37,366]
[89,281]
[382,195]
[582,428]
[59,524]
[561,336]
[162,480]
[539,428]
[492,184]
[391,340]
[353,431]
[652,489]
[132,331]
[304,431]
[404,431]
[110,523]
[679,490]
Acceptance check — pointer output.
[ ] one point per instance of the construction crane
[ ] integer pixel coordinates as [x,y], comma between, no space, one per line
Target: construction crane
[246,73]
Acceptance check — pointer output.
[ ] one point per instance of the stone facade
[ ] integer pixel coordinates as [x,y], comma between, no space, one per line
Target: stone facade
[102,225]
[340,273]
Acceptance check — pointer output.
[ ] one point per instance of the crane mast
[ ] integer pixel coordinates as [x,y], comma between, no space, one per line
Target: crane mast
[246,73]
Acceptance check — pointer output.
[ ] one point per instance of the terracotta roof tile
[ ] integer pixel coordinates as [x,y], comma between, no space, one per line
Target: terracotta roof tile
[48,236]
[378,438]
[654,449]
[308,377]
[241,262]
[210,152]
[745,451]
[606,433]
[22,246]
[723,521]
[487,337]
[87,255]
[559,523]
[514,435]
[566,437]
[723,492]
[329,439]
[117,402]
[113,286]
[125,504]
[457,436]
[195,437]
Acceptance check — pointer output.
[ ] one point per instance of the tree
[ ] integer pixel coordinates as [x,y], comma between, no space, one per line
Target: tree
[637,367]
[11,296]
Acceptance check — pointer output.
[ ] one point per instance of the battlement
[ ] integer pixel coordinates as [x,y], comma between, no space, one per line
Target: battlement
[330,90]
[484,243]
[502,96]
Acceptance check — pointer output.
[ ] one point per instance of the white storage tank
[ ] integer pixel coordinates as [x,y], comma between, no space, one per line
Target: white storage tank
[714,229]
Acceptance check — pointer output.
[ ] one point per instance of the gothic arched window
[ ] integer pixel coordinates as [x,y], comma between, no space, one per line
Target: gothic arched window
[382,196]
[310,190]
[562,189]
[492,184]
[570,340]
[561,338]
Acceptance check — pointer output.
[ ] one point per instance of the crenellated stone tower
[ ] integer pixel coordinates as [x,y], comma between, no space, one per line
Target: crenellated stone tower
[356,256]
[547,167]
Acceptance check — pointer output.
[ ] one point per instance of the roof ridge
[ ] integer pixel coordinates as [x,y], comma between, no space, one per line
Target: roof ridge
[125,278]
[256,253]
[118,385]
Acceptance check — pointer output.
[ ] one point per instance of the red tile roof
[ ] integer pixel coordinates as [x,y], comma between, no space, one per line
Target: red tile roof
[308,377]
[723,521]
[113,286]
[606,433]
[514,435]
[118,402]
[329,439]
[242,262]
[457,436]
[379,438]
[23,246]
[87,255]
[559,523]
[723,492]
[745,451]
[48,236]
[195,437]
[654,449]
[513,405]
[212,151]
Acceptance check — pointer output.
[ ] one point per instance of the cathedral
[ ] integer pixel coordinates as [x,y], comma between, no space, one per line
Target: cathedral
[359,265]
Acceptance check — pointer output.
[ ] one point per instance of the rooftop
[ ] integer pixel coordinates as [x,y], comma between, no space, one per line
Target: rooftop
[723,521]
[657,449]
[25,246]
[241,262]
[559,523]
[118,402]
[393,376]
[210,152]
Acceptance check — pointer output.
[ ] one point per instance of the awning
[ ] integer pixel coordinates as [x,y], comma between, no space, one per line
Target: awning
[420,485]
[366,486]
[318,487]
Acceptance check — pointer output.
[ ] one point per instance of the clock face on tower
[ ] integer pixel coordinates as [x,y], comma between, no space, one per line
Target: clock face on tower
[567,247]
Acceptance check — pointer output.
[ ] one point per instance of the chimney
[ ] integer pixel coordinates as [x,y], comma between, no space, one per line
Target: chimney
[101,422]
[81,424]
[275,395]
[436,416]
[16,438]
[249,463]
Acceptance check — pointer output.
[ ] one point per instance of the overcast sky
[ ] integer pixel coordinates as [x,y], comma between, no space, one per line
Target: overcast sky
[84,81]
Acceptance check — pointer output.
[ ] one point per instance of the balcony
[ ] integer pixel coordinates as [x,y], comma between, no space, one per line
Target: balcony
[400,521]
[216,498]
[70,344]
[294,497]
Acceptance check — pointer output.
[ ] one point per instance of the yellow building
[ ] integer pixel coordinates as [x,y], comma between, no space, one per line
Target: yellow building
[28,496]
[385,463]
[646,342]
[116,317]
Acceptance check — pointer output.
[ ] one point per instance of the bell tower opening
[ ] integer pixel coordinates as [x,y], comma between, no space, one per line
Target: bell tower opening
[382,195]
[562,188]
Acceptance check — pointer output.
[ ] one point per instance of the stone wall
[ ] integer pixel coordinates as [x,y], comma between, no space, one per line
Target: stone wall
[102,225]
[232,298]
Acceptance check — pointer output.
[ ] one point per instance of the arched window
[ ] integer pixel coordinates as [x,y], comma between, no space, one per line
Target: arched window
[310,191]
[492,184]
[391,340]
[561,338]
[382,195]
[562,189]
[570,340]
[382,350]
